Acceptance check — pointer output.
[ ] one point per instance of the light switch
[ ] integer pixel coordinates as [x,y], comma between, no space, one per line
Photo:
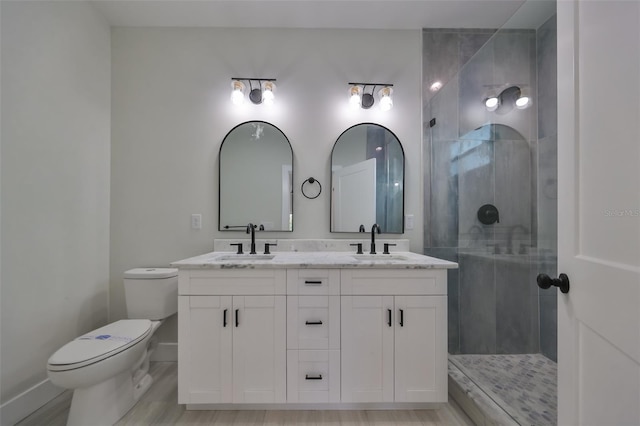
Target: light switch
[196,221]
[408,221]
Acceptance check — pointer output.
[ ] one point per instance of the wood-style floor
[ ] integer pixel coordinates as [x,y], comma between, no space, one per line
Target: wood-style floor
[159,407]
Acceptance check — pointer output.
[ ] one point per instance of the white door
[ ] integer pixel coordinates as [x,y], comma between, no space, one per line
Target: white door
[367,348]
[259,349]
[599,212]
[354,196]
[420,349]
[204,361]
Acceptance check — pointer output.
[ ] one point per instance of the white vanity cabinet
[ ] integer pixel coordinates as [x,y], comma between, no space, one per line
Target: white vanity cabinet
[293,334]
[231,336]
[393,325]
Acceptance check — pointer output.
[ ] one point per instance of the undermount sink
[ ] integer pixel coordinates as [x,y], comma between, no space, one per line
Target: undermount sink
[245,257]
[379,257]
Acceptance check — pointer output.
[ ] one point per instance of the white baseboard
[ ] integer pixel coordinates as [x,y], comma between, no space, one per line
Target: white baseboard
[16,409]
[166,351]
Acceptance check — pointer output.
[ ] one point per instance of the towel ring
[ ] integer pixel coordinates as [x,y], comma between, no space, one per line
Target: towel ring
[311,181]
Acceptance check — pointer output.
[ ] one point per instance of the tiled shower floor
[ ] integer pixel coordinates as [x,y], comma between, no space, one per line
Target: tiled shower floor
[524,386]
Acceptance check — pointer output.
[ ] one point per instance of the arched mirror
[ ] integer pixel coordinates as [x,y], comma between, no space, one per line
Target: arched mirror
[256,178]
[367,180]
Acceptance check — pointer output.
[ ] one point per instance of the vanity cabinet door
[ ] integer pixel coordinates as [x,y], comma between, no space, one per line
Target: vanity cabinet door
[420,349]
[367,348]
[204,345]
[259,349]
[394,348]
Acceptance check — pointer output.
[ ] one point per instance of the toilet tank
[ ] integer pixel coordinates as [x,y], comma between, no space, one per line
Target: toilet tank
[151,293]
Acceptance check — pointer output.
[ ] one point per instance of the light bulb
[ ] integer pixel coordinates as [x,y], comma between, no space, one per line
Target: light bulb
[237,94]
[355,93]
[268,89]
[524,99]
[386,103]
[491,103]
[522,102]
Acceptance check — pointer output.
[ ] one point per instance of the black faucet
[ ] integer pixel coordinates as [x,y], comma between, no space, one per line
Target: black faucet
[361,229]
[373,237]
[251,229]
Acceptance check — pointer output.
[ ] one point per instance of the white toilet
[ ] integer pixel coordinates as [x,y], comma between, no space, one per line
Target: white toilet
[108,368]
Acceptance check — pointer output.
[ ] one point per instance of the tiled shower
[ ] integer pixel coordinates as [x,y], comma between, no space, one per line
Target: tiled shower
[506,159]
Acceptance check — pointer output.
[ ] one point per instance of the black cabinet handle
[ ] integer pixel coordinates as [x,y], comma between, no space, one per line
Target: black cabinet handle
[237,317]
[313,322]
[308,377]
[308,282]
[401,317]
[389,317]
[562,282]
[224,318]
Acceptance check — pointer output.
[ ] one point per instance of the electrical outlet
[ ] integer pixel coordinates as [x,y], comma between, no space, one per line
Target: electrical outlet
[196,221]
[408,221]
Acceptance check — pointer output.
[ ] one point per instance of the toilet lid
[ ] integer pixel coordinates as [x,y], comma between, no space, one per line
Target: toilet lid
[150,273]
[100,344]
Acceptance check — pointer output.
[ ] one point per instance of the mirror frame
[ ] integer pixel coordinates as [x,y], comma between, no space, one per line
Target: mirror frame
[220,227]
[404,165]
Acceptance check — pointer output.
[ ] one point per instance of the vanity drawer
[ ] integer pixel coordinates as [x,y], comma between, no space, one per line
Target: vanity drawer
[313,376]
[391,282]
[313,281]
[233,281]
[313,322]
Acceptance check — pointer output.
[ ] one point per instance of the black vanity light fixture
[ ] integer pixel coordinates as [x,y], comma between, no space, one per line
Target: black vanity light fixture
[362,95]
[261,90]
[506,97]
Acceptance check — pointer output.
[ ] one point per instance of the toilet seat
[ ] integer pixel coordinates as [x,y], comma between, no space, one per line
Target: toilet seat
[100,344]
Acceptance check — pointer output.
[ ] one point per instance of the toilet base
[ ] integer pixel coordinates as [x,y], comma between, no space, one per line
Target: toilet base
[104,403]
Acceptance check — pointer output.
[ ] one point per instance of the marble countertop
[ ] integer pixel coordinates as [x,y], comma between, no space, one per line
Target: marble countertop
[317,259]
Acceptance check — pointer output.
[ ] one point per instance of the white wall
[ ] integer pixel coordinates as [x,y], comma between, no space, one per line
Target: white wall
[171,110]
[55,183]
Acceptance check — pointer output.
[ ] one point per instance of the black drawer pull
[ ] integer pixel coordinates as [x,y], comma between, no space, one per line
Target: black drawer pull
[401,317]
[237,317]
[313,322]
[309,282]
[308,377]
[224,318]
[389,317]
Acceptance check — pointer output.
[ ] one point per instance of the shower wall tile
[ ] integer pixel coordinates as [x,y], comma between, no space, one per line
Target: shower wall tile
[533,166]
[476,78]
[443,208]
[453,296]
[548,300]
[444,108]
[439,59]
[547,78]
[477,304]
[514,54]
[513,193]
[547,196]
[516,307]
[549,326]
[471,42]
[475,188]
[426,178]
